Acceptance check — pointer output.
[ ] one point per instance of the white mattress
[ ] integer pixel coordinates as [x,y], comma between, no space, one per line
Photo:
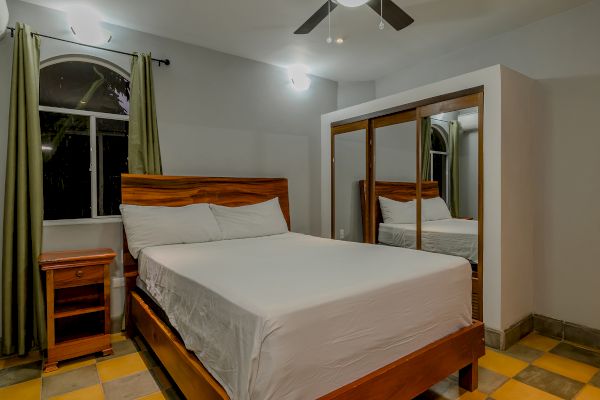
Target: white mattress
[457,237]
[294,317]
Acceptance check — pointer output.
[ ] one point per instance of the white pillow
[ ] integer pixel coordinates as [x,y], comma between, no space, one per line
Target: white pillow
[398,212]
[435,209]
[262,219]
[147,226]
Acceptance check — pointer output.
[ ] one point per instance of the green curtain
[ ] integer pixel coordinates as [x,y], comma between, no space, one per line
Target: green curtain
[23,314]
[144,148]
[454,135]
[426,149]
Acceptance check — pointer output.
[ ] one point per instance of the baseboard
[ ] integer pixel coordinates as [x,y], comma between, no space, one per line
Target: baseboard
[551,327]
[502,340]
[564,330]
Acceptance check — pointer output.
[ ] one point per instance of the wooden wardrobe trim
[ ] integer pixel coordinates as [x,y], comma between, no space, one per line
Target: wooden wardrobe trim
[408,106]
[451,105]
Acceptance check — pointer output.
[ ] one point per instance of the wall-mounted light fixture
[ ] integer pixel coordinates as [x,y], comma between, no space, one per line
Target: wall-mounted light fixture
[86,25]
[299,78]
[3,18]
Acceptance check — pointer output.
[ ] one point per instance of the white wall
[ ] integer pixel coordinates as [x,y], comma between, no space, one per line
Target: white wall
[352,93]
[218,115]
[562,53]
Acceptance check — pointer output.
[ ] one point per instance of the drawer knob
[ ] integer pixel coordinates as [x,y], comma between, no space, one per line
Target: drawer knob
[79,273]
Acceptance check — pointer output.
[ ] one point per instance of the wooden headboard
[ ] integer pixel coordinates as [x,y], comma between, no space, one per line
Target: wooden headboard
[173,191]
[400,191]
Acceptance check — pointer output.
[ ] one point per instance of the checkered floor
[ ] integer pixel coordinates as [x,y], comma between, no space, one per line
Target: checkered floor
[537,368]
[131,372]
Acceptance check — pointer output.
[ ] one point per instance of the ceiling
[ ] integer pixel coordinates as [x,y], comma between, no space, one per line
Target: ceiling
[262,29]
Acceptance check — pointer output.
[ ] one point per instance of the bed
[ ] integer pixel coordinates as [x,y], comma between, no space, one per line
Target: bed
[454,236]
[458,237]
[289,309]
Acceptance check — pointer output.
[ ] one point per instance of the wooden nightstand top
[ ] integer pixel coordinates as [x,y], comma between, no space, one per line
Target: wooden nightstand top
[75,258]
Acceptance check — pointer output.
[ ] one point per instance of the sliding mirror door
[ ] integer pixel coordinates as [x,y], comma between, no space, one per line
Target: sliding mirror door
[395,186]
[349,169]
[450,190]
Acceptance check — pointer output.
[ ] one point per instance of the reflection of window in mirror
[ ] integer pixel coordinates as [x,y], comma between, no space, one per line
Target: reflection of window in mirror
[439,160]
[453,160]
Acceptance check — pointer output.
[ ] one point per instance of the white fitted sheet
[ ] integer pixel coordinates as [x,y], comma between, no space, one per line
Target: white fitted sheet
[292,316]
[457,237]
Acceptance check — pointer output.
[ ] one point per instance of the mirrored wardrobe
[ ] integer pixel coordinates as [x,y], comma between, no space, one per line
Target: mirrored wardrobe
[412,179]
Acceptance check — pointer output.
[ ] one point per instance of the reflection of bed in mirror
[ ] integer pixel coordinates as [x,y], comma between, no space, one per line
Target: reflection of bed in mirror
[454,236]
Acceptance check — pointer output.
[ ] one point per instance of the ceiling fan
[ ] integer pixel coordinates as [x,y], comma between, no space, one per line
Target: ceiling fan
[387,9]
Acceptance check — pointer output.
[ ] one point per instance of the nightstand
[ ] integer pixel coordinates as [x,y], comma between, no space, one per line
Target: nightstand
[77,303]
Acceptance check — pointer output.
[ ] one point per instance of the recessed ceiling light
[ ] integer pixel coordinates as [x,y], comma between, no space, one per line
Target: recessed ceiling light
[339,40]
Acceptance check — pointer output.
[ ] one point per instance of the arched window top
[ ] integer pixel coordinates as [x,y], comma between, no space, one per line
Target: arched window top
[84,84]
[438,139]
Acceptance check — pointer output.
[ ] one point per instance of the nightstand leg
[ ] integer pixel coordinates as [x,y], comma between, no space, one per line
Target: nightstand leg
[50,367]
[107,352]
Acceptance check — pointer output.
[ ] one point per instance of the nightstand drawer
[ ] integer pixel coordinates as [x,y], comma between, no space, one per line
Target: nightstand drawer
[78,276]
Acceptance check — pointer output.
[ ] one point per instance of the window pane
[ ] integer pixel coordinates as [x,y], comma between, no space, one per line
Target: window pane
[84,86]
[66,155]
[111,139]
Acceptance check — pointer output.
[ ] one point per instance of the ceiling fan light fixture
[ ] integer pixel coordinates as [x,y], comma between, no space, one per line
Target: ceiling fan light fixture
[352,3]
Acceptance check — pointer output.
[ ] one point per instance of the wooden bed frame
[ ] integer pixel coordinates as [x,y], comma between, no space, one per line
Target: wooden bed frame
[407,191]
[405,378]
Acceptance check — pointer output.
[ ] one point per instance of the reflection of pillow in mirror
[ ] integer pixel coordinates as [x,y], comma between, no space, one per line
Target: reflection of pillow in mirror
[398,212]
[435,209]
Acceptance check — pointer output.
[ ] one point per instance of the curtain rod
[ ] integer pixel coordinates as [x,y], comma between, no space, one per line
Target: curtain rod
[165,61]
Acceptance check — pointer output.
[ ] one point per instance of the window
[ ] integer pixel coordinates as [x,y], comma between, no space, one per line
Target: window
[440,161]
[84,107]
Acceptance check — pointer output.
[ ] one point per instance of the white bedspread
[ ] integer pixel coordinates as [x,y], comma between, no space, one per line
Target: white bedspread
[294,316]
[457,237]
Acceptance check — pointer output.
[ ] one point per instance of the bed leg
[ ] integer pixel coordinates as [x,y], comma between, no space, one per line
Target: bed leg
[468,376]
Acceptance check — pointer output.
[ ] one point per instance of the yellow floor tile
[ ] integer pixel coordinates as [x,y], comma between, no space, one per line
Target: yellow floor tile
[563,366]
[30,390]
[501,363]
[153,396]
[539,342]
[120,366]
[513,390]
[70,365]
[476,395]
[118,337]
[589,393]
[12,361]
[89,393]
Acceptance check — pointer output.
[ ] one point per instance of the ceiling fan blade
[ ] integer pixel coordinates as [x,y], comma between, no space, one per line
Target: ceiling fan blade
[394,15]
[316,19]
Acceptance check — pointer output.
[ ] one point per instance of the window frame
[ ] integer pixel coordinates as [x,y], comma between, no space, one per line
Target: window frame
[93,116]
[436,129]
